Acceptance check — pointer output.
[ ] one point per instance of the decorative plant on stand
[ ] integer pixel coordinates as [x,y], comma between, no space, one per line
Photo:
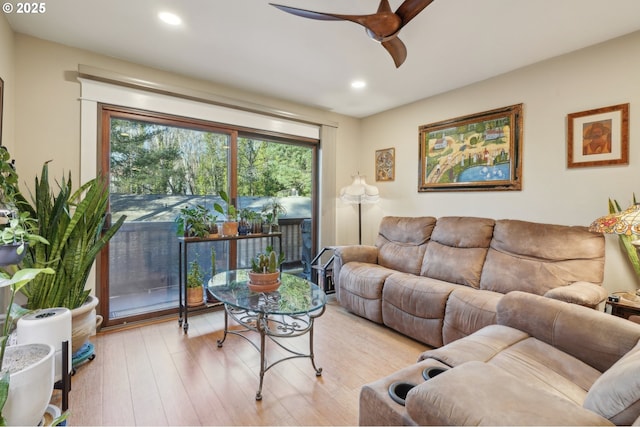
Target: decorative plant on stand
[195,279]
[75,224]
[273,209]
[193,222]
[230,225]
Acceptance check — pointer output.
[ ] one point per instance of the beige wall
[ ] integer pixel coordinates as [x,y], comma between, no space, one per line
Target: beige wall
[7,73]
[598,76]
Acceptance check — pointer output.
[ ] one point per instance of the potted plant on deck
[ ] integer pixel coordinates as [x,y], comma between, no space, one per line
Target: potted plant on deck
[230,225]
[75,224]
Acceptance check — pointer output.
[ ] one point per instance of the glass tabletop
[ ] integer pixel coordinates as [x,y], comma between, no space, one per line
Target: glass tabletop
[294,296]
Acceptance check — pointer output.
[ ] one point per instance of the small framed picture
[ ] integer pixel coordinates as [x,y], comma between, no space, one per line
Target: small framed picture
[598,137]
[386,164]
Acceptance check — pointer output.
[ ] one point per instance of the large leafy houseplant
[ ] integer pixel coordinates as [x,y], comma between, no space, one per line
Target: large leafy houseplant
[74,223]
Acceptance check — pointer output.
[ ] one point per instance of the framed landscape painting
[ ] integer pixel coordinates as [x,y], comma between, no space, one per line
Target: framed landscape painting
[477,152]
[598,137]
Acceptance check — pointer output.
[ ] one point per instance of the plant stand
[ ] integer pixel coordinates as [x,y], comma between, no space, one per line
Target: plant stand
[183,262]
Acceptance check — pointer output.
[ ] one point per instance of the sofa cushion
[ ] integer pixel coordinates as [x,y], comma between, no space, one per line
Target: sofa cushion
[361,289]
[457,250]
[415,306]
[481,346]
[468,310]
[402,242]
[477,393]
[616,394]
[535,257]
[542,365]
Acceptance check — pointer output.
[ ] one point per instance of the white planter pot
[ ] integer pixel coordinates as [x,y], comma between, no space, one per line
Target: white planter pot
[30,387]
[84,322]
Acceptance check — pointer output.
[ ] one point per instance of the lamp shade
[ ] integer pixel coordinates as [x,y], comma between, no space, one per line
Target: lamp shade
[626,222]
[359,191]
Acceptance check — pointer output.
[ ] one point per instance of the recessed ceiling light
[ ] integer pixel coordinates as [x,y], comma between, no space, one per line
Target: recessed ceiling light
[170,18]
[358,84]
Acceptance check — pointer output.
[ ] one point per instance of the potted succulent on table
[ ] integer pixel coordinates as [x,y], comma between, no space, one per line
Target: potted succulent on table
[265,275]
[195,277]
[75,224]
[230,225]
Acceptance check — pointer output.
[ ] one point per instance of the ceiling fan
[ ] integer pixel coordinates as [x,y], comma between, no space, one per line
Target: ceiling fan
[382,26]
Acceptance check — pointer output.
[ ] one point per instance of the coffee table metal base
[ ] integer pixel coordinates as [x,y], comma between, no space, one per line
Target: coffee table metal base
[274,327]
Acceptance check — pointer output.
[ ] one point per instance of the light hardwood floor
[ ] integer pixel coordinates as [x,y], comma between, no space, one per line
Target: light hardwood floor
[156,375]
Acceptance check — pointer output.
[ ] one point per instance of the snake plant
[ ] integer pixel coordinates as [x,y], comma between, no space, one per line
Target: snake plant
[74,223]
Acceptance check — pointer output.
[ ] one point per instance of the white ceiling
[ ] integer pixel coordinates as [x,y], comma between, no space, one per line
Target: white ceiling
[251,45]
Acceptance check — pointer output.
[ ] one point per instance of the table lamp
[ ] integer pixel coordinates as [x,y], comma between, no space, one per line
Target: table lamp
[359,192]
[626,224]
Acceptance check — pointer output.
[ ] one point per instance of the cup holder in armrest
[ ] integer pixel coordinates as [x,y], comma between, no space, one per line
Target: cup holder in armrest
[432,371]
[399,390]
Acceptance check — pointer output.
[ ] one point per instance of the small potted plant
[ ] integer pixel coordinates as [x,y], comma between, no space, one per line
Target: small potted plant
[265,275]
[195,277]
[193,222]
[213,225]
[15,236]
[230,225]
[273,209]
[244,226]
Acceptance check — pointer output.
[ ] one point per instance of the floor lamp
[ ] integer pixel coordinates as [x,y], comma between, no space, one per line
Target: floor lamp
[359,192]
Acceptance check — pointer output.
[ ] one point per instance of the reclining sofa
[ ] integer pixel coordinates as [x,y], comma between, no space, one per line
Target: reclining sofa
[439,280]
[545,362]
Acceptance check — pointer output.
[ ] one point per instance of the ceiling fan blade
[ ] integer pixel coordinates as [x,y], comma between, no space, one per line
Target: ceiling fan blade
[308,13]
[382,24]
[397,49]
[410,8]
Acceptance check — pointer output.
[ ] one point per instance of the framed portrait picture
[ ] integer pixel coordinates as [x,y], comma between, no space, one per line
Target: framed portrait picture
[598,137]
[386,164]
[477,152]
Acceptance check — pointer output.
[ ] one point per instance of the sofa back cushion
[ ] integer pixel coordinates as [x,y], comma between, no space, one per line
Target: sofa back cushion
[457,250]
[596,338]
[535,258]
[402,241]
[616,394]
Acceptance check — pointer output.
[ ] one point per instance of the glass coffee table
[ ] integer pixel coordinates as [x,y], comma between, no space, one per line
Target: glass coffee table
[285,313]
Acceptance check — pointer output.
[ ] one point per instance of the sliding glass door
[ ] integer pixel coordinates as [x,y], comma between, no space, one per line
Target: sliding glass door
[158,165]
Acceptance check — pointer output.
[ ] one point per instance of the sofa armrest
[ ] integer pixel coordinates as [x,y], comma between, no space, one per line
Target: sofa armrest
[582,293]
[345,254]
[477,393]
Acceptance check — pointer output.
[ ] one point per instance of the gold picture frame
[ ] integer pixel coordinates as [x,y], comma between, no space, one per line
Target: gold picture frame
[598,137]
[386,164]
[481,151]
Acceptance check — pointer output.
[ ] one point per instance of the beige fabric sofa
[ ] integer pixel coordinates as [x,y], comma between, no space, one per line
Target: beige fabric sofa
[545,362]
[440,279]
